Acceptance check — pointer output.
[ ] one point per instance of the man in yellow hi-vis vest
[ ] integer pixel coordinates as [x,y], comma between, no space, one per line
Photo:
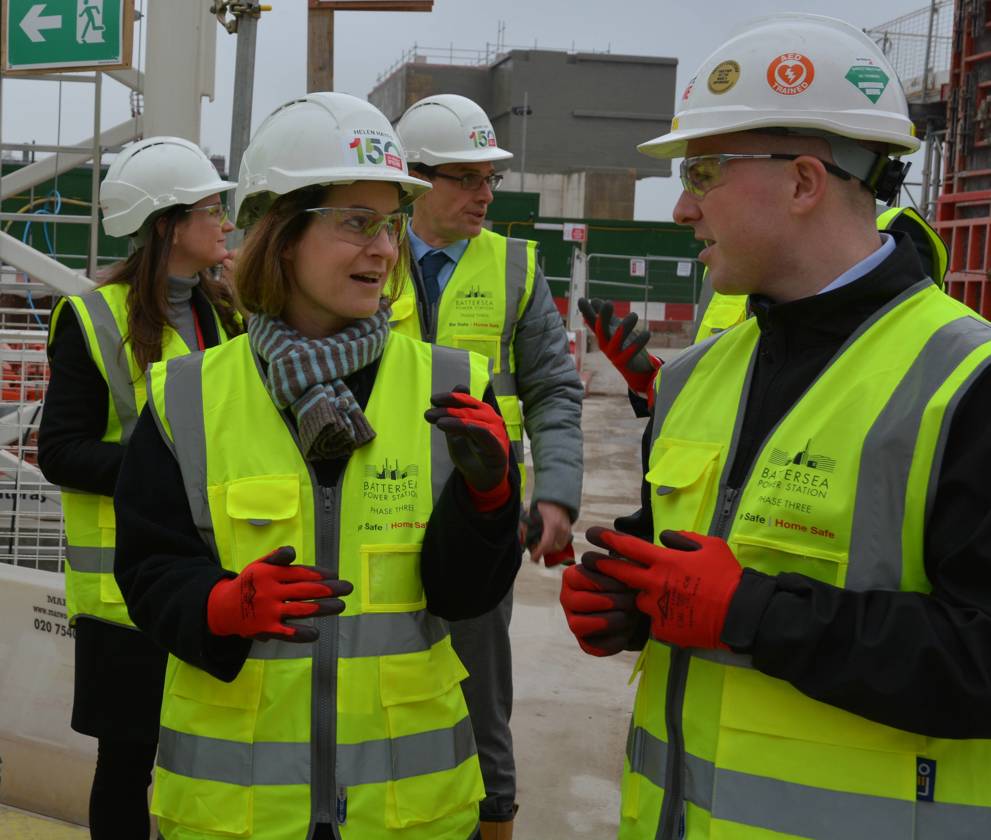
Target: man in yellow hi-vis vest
[474,289]
[814,601]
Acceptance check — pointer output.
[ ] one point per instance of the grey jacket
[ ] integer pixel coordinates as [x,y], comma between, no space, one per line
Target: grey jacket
[549,389]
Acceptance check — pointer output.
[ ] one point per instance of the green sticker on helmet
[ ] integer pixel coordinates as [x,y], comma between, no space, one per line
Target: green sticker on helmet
[869,80]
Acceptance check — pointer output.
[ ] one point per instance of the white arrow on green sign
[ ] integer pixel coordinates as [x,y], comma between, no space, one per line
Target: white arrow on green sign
[52,35]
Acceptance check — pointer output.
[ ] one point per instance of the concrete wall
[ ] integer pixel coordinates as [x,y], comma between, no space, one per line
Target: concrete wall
[589,110]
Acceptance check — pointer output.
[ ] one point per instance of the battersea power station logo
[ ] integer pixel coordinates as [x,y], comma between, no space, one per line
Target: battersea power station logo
[390,482]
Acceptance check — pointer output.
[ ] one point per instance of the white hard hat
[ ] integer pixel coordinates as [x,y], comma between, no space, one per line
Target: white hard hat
[320,139]
[448,129]
[794,71]
[152,175]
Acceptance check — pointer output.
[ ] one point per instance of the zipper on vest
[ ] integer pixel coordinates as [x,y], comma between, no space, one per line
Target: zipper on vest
[670,823]
[342,804]
[725,504]
[326,794]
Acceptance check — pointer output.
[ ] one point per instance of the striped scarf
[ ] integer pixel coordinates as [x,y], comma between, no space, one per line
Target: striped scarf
[307,376]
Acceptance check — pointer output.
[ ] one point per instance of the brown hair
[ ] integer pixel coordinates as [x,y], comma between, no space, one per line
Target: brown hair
[146,274]
[262,275]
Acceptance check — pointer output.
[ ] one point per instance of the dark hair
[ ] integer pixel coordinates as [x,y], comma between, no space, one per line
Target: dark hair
[262,274]
[146,274]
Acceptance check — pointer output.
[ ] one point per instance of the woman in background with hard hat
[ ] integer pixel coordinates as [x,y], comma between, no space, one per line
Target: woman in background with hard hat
[159,303]
[297,479]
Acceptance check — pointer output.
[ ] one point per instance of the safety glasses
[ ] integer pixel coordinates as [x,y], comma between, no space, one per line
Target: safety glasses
[360,226]
[702,173]
[214,211]
[471,181]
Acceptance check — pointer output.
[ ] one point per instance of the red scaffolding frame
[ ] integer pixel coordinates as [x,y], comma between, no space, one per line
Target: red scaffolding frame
[963,210]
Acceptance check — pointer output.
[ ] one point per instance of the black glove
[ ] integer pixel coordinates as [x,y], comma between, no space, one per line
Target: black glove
[478,444]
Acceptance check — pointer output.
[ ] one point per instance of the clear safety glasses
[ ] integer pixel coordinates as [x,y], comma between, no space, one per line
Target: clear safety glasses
[702,173]
[359,226]
[471,181]
[214,211]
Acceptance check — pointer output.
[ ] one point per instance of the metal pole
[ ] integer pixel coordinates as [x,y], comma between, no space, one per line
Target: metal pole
[929,44]
[244,82]
[523,161]
[927,163]
[94,226]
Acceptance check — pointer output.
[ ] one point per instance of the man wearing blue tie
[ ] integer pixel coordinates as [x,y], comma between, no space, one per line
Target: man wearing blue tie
[474,289]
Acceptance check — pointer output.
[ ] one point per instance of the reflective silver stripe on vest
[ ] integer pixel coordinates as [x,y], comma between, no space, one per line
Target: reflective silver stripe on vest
[807,811]
[705,298]
[368,634]
[943,821]
[879,511]
[115,361]
[288,763]
[89,560]
[184,409]
[648,756]
[449,367]
[516,271]
[803,810]
[944,432]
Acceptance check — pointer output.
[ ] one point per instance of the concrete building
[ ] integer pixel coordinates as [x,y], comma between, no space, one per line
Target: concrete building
[587,112]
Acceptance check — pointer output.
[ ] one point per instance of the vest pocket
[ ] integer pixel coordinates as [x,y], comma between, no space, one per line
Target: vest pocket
[775,556]
[107,521]
[486,345]
[212,727]
[682,478]
[264,514]
[433,758]
[390,578]
[769,728]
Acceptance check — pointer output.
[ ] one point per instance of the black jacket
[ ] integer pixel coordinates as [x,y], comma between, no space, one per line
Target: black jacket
[165,570]
[118,673]
[919,662]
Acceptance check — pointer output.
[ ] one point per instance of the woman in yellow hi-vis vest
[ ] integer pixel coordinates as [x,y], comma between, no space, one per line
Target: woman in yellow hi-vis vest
[328,495]
[159,303]
[813,596]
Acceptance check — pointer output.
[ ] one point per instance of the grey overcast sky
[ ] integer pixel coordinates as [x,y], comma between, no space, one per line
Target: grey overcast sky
[368,43]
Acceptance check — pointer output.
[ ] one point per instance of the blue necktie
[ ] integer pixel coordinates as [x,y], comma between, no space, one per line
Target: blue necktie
[430,266]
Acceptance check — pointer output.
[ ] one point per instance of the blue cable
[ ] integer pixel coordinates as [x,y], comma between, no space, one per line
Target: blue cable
[56,198]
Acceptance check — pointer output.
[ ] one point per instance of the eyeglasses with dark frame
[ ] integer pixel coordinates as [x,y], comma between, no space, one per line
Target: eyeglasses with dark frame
[471,181]
[702,173]
[361,226]
[214,211]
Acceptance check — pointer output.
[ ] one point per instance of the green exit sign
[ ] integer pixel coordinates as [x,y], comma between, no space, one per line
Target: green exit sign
[53,35]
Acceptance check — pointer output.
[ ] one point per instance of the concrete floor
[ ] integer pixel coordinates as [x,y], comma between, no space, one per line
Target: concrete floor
[572,710]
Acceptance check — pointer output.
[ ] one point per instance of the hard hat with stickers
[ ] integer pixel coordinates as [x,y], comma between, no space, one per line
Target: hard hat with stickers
[319,139]
[806,74]
[448,128]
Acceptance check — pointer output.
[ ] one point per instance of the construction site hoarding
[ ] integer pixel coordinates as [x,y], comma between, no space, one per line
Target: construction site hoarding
[60,35]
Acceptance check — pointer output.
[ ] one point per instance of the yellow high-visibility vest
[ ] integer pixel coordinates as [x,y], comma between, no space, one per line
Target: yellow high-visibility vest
[838,493]
[478,310]
[90,526]
[366,728]
[718,312]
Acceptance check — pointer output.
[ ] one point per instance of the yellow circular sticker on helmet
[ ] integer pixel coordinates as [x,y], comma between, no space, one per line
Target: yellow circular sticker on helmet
[724,76]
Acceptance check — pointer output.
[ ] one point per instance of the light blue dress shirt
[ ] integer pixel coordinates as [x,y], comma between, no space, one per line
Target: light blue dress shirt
[865,266]
[456,250]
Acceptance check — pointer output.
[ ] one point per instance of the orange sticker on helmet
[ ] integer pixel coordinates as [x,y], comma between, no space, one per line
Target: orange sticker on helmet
[790,73]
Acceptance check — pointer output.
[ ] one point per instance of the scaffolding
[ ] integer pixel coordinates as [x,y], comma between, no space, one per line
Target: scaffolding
[918,46]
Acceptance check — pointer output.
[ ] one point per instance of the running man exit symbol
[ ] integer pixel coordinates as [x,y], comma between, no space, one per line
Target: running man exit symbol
[89,22]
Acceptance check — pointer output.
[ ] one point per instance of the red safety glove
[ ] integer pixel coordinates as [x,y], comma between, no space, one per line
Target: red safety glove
[478,443]
[268,592]
[623,347]
[531,533]
[601,611]
[684,585]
